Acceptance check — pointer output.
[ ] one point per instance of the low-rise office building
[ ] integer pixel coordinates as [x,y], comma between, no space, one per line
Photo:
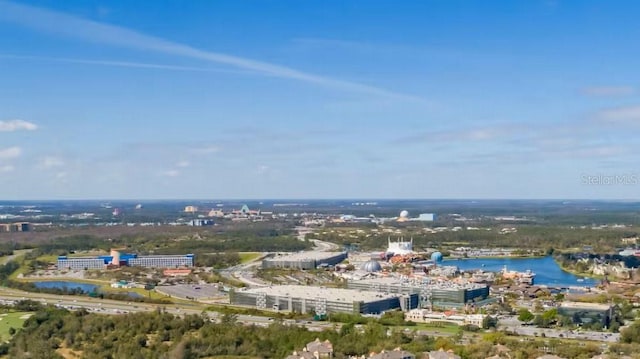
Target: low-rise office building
[441,294]
[587,312]
[304,260]
[427,316]
[321,300]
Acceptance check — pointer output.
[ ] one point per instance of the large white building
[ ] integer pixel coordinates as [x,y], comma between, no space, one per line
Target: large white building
[400,248]
[166,261]
[80,263]
[304,260]
[115,258]
[322,300]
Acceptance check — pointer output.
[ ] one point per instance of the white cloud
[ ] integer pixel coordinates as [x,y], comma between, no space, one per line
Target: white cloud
[10,153]
[263,169]
[183,164]
[171,173]
[126,64]
[608,91]
[17,125]
[481,134]
[206,150]
[6,168]
[74,27]
[51,162]
[629,115]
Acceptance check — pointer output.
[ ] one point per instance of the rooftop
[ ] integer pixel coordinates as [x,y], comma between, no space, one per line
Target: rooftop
[580,305]
[426,283]
[331,294]
[307,255]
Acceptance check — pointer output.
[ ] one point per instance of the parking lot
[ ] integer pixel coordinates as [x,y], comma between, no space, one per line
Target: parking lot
[192,291]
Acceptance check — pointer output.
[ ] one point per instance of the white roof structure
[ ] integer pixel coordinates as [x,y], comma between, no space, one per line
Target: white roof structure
[400,247]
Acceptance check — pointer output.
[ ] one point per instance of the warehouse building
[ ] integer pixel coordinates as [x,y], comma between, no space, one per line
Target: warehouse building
[441,294]
[321,300]
[304,260]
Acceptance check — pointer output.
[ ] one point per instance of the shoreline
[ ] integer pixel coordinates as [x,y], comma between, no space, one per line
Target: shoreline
[492,257]
[577,273]
[63,279]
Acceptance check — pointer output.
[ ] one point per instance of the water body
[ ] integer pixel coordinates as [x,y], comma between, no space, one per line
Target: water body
[85,287]
[547,271]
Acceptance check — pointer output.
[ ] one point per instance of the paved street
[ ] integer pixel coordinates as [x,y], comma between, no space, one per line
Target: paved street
[512,324]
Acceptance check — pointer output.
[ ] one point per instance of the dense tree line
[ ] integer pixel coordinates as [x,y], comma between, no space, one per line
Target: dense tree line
[528,236]
[261,239]
[161,335]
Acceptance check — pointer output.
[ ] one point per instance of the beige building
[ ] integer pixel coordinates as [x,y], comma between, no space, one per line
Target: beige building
[427,316]
[190,209]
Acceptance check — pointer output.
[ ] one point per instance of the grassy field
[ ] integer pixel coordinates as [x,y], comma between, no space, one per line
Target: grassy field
[248,256]
[11,320]
[16,255]
[439,327]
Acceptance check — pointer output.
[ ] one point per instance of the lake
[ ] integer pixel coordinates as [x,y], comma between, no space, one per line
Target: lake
[547,271]
[85,287]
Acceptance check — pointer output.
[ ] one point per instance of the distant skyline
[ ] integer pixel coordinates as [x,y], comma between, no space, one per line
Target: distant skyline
[319,99]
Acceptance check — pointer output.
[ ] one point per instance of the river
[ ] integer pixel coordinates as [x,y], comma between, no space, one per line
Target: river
[547,271]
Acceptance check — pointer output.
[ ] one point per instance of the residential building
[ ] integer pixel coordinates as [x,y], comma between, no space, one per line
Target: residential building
[323,348]
[441,354]
[393,354]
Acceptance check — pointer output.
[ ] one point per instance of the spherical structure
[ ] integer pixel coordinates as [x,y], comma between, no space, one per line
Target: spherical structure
[371,266]
[436,257]
[404,214]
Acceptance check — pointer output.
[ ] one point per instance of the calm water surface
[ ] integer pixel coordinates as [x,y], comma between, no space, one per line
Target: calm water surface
[85,287]
[547,271]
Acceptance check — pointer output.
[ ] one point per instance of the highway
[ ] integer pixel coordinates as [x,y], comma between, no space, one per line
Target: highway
[319,245]
[106,306]
[245,272]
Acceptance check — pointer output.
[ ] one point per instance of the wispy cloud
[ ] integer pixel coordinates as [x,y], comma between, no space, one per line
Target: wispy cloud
[171,173]
[608,91]
[479,134]
[6,168]
[87,30]
[626,115]
[10,153]
[126,64]
[17,125]
[205,150]
[50,162]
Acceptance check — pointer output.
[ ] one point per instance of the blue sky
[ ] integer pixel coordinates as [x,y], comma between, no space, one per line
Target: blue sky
[319,99]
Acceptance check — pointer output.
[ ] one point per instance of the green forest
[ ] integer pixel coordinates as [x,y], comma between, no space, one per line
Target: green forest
[51,332]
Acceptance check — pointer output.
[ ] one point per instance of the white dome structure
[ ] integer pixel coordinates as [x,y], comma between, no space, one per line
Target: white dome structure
[371,266]
[404,214]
